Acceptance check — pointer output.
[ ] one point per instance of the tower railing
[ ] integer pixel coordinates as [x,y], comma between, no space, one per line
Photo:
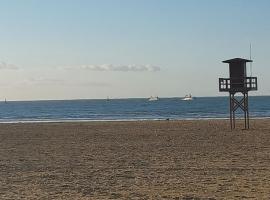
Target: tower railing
[238,84]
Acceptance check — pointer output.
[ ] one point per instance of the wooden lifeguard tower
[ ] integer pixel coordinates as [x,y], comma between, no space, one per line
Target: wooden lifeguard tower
[238,82]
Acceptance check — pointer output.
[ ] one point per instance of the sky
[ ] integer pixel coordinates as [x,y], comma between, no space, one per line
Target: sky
[86,49]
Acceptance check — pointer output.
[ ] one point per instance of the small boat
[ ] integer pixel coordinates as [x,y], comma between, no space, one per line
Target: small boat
[188,98]
[153,98]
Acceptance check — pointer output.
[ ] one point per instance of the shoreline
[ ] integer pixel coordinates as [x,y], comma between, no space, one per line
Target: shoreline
[123,120]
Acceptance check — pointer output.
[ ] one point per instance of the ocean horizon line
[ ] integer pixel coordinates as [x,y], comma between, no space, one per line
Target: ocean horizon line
[118,98]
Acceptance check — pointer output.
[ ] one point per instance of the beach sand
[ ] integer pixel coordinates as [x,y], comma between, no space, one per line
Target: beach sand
[201,159]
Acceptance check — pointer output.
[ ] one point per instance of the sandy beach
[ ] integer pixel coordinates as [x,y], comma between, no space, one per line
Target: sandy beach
[201,159]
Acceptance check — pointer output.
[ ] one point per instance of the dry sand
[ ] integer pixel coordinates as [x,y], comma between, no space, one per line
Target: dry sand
[135,160]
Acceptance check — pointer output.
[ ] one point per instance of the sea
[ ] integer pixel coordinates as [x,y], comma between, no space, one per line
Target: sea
[127,109]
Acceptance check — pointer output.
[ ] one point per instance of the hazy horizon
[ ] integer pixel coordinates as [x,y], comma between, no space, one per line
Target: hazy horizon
[128,49]
[124,98]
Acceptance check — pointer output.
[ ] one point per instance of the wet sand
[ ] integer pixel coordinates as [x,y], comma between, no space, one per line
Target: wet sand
[135,160]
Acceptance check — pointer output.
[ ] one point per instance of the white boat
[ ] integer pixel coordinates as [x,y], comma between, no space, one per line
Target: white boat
[153,98]
[188,98]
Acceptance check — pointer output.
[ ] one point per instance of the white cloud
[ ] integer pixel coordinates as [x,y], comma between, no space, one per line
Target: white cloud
[120,68]
[91,84]
[41,81]
[4,65]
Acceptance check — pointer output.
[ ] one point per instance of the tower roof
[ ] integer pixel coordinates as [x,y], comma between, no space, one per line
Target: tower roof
[237,60]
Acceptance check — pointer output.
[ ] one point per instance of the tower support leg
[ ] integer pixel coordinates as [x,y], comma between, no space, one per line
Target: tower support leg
[243,105]
[247,113]
[245,110]
[231,108]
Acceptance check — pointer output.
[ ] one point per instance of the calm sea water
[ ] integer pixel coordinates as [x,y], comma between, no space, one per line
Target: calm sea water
[126,109]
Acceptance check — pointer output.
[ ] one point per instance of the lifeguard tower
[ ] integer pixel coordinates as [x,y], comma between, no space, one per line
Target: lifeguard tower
[238,82]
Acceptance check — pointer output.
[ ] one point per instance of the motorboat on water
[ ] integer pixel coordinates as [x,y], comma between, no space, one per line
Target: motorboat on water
[153,98]
[188,98]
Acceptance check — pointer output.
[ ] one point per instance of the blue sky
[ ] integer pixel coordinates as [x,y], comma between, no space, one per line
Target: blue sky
[69,49]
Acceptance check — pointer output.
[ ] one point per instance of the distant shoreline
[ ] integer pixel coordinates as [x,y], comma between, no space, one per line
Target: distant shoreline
[123,120]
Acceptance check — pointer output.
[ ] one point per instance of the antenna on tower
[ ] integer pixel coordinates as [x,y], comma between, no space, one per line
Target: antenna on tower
[250,59]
